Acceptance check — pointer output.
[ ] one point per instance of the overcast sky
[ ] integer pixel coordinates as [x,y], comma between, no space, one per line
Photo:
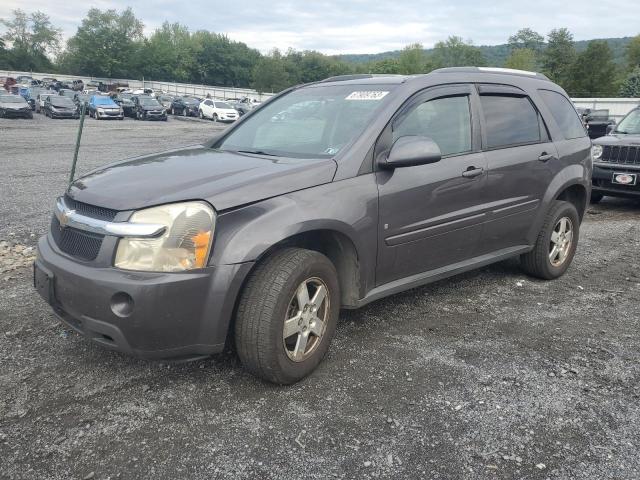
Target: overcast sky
[359,26]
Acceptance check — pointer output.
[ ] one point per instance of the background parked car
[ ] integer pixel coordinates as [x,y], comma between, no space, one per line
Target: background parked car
[125,101]
[80,98]
[59,106]
[148,108]
[14,106]
[8,82]
[66,92]
[96,85]
[77,85]
[103,106]
[596,121]
[186,106]
[24,79]
[41,98]
[218,111]
[165,100]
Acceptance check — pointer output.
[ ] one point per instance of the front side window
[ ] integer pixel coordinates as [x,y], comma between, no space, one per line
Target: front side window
[445,120]
[509,121]
[563,113]
[311,122]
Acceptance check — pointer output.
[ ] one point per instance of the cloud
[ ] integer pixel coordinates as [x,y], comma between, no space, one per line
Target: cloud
[358,26]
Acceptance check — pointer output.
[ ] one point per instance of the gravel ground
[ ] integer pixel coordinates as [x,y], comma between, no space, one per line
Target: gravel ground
[487,375]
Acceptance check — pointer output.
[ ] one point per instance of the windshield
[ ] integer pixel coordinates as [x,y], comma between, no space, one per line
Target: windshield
[630,124]
[62,102]
[11,99]
[102,100]
[191,100]
[148,101]
[312,122]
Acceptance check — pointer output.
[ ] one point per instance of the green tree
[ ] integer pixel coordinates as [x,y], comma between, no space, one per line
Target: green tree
[385,66]
[454,52]
[31,38]
[169,54]
[412,60]
[522,59]
[593,73]
[107,44]
[526,38]
[633,53]
[631,85]
[559,56]
[270,74]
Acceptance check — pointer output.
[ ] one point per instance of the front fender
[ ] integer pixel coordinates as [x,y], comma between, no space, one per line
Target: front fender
[349,207]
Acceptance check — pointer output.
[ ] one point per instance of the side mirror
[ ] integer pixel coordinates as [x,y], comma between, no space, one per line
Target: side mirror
[610,128]
[411,150]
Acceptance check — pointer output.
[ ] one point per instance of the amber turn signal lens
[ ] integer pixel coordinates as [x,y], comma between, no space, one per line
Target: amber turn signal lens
[201,244]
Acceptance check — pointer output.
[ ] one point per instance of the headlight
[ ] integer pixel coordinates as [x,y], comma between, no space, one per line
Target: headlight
[596,152]
[184,245]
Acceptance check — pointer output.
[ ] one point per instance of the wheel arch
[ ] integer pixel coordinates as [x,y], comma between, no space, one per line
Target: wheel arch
[338,248]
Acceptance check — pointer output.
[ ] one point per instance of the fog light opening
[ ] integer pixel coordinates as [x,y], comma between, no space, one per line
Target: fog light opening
[122,304]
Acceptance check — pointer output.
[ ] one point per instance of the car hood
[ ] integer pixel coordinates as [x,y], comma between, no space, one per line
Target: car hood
[13,106]
[615,139]
[224,179]
[107,105]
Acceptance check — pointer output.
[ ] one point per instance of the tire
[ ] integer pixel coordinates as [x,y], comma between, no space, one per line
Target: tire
[269,298]
[201,115]
[215,117]
[30,116]
[538,262]
[596,197]
[173,111]
[184,112]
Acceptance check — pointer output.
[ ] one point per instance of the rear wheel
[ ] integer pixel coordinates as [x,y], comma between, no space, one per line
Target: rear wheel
[596,197]
[287,315]
[556,243]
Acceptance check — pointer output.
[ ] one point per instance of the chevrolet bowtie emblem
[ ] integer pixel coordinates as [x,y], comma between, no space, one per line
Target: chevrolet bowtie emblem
[64,217]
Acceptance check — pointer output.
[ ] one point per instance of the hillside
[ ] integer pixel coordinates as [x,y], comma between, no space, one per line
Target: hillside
[495,54]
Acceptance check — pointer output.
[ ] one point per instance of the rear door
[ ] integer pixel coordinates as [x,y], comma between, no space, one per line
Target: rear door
[430,215]
[521,160]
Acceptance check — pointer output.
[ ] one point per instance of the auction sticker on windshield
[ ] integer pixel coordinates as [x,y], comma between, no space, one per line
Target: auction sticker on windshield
[367,95]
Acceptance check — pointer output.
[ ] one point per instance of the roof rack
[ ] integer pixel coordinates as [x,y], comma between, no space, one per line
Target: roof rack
[506,71]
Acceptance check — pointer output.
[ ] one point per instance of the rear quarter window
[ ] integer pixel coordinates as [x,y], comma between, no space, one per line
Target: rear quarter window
[509,121]
[563,113]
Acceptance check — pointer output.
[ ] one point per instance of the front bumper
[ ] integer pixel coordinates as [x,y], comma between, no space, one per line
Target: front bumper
[169,315]
[25,113]
[74,115]
[110,114]
[154,116]
[603,174]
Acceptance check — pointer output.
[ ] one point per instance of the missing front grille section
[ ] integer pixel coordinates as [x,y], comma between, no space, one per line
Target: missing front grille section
[79,244]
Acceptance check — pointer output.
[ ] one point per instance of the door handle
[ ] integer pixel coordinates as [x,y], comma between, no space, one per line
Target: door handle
[472,172]
[545,157]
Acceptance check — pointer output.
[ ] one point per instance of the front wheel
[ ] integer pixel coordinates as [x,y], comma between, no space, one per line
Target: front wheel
[215,117]
[556,243]
[287,315]
[201,115]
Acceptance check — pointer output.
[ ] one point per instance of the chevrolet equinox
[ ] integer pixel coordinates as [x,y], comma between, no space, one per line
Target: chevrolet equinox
[330,195]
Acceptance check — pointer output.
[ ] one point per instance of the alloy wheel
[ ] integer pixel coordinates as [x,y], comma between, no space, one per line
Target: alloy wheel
[306,319]
[561,241]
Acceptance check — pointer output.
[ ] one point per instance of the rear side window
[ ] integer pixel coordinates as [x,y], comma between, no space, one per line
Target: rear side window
[445,120]
[509,121]
[563,113]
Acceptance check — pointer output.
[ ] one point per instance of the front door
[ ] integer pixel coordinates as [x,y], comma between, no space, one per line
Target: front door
[430,216]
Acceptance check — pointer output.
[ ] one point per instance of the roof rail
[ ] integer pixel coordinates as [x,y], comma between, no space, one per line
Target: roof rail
[506,71]
[357,76]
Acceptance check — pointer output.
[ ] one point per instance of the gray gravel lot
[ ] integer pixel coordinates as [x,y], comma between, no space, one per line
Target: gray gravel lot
[487,375]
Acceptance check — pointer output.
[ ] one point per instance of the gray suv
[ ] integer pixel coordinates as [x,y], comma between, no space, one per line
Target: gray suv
[330,195]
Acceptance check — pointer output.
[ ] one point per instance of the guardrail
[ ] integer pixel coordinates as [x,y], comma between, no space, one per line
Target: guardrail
[172,88]
[618,107]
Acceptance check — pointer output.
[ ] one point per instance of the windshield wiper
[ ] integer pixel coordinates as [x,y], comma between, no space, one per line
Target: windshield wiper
[257,152]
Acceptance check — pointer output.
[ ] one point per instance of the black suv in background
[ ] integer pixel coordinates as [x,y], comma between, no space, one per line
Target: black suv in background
[148,108]
[125,100]
[186,106]
[386,183]
[616,170]
[597,122]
